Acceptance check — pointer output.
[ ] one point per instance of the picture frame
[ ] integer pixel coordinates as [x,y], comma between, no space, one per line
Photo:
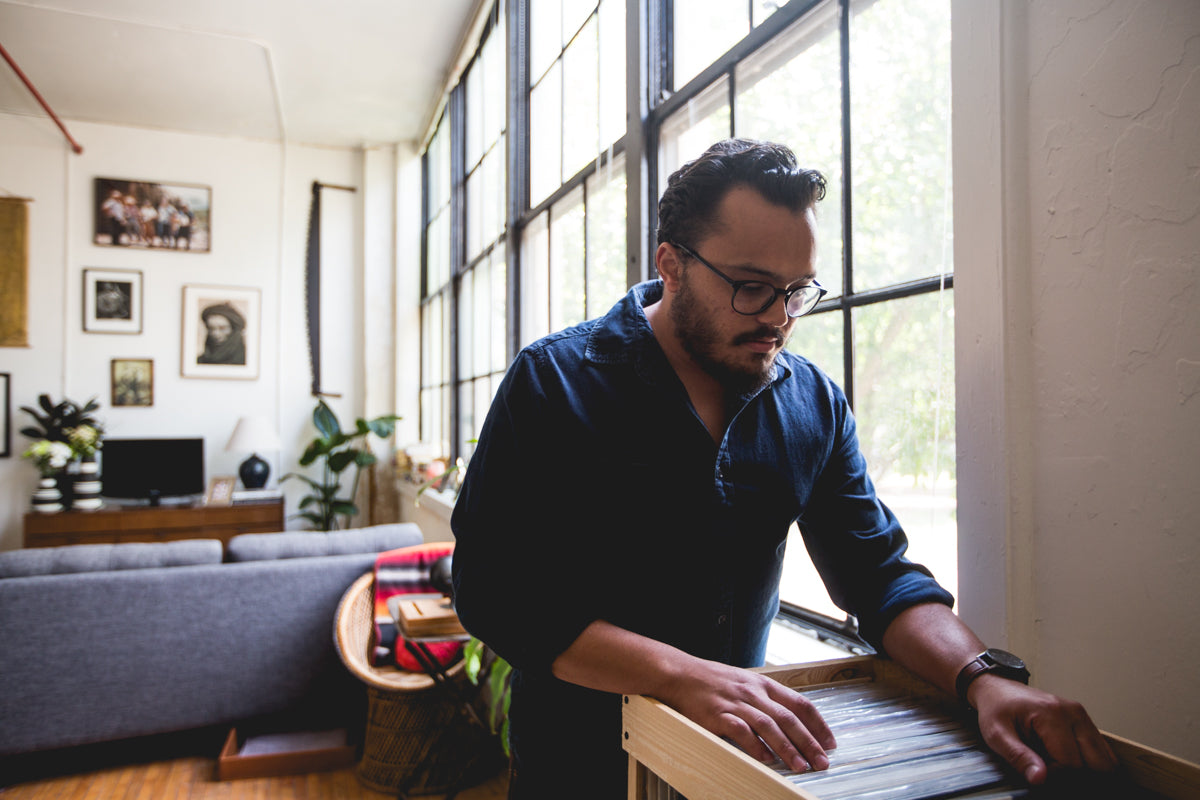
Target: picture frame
[152,216]
[220,490]
[5,414]
[221,332]
[132,382]
[112,301]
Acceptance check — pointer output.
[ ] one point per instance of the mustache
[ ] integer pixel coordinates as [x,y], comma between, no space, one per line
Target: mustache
[760,333]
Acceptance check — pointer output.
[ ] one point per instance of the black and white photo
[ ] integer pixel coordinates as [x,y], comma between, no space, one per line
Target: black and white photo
[112,301]
[220,332]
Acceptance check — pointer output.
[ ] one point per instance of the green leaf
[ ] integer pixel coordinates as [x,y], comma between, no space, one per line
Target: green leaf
[326,421]
[364,458]
[344,508]
[473,659]
[340,460]
[383,426]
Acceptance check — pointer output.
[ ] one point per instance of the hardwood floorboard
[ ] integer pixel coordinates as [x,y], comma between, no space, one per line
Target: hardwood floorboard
[194,778]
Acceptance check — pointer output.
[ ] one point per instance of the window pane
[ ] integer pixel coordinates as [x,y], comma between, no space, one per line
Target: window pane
[545,135]
[574,13]
[466,325]
[612,71]
[545,36]
[790,92]
[581,109]
[481,328]
[689,131]
[606,273]
[498,355]
[535,279]
[566,262]
[819,338]
[900,107]
[704,29]
[904,379]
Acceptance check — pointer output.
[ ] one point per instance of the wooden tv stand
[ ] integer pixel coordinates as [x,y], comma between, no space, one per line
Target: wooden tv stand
[152,523]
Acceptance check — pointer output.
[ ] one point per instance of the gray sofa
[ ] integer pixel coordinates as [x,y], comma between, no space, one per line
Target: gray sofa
[107,642]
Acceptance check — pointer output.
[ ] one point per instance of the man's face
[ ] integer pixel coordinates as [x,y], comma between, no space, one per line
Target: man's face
[752,240]
[219,328]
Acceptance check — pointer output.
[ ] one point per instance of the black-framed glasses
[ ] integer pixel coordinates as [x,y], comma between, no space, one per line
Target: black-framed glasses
[754,297]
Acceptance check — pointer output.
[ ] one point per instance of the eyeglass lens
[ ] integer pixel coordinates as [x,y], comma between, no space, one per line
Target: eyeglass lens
[752,298]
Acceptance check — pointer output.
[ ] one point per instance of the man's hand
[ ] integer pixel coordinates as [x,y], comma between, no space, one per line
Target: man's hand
[1035,731]
[763,717]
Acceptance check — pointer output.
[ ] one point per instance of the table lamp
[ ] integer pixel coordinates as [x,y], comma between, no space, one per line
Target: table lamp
[253,435]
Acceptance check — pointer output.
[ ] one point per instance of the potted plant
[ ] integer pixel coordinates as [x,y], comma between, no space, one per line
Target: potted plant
[72,425]
[338,451]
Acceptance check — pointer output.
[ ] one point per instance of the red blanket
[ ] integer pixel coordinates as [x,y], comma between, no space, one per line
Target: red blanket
[406,571]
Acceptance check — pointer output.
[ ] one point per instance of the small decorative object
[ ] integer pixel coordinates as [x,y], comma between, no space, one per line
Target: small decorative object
[158,216]
[220,332]
[220,490]
[336,449]
[132,382]
[112,301]
[51,459]
[253,435]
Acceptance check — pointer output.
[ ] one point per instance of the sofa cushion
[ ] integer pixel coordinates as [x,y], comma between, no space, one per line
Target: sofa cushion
[104,557]
[307,544]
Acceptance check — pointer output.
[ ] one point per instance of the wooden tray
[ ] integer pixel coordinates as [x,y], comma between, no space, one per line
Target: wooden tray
[667,748]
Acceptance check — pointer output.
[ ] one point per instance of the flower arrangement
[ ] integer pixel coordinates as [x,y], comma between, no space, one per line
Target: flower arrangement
[49,457]
[68,423]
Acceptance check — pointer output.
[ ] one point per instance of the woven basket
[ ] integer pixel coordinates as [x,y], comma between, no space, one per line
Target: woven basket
[405,710]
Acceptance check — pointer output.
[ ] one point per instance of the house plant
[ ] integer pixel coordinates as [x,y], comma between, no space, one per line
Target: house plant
[338,451]
[77,429]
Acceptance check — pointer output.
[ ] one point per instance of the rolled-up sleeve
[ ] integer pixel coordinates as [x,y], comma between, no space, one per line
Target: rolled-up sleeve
[857,544]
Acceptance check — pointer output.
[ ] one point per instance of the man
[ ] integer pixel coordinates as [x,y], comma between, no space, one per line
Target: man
[224,343]
[622,523]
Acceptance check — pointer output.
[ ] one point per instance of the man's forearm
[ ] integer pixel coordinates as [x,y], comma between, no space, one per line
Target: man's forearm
[616,660]
[932,642]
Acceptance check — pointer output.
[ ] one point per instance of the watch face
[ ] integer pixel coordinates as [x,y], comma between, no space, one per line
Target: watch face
[1005,658]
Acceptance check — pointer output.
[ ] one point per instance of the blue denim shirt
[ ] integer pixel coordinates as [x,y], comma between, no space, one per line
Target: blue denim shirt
[596,492]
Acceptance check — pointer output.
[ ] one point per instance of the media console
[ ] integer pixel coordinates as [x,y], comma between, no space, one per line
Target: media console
[152,523]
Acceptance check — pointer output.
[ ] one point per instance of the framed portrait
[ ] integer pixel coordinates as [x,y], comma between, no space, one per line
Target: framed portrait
[221,332]
[132,382]
[5,414]
[220,490]
[155,216]
[112,301]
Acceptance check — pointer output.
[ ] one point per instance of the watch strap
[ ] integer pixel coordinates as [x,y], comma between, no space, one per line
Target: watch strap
[976,667]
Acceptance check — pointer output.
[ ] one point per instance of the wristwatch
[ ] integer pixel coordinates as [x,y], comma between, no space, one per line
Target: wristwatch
[1000,662]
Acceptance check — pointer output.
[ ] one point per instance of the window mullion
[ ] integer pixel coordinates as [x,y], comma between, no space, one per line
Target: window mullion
[847,206]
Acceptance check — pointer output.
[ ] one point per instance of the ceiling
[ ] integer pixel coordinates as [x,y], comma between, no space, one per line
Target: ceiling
[346,73]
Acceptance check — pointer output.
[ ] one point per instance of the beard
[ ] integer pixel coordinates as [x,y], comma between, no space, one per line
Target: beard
[704,343]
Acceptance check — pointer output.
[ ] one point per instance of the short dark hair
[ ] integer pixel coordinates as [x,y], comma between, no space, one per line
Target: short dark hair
[694,191]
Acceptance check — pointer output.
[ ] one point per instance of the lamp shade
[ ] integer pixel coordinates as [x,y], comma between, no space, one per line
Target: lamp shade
[253,435]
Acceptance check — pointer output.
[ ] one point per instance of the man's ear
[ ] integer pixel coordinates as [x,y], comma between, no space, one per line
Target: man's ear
[667,261]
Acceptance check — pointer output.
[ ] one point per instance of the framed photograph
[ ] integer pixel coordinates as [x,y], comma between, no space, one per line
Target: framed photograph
[221,336]
[112,301]
[220,490]
[156,216]
[5,414]
[132,382]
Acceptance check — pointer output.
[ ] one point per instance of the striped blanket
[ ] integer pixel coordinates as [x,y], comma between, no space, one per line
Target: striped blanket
[406,571]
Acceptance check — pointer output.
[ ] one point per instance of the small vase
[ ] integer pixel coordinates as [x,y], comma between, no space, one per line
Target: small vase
[85,494]
[47,499]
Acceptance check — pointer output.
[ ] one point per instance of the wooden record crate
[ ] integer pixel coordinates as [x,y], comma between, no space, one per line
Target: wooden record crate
[671,755]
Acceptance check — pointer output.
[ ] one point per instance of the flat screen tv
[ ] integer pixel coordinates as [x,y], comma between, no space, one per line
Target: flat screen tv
[152,469]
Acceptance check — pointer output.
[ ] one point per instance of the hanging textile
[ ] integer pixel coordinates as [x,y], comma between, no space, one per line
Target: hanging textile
[14,272]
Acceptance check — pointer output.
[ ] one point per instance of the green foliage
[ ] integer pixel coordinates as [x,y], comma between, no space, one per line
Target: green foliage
[56,420]
[339,451]
[479,663]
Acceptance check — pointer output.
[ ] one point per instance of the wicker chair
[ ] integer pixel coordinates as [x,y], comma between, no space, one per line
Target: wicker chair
[405,710]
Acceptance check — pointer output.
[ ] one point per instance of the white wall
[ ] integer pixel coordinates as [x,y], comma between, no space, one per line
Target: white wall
[1077,284]
[260,198]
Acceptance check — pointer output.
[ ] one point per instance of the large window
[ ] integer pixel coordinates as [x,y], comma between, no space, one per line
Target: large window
[528,176]
[861,93]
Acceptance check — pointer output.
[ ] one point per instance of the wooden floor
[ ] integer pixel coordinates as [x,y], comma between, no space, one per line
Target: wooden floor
[193,778]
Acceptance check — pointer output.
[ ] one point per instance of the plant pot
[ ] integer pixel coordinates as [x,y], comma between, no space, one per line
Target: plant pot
[47,499]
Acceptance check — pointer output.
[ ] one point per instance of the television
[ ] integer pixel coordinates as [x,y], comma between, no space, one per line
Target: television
[152,469]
